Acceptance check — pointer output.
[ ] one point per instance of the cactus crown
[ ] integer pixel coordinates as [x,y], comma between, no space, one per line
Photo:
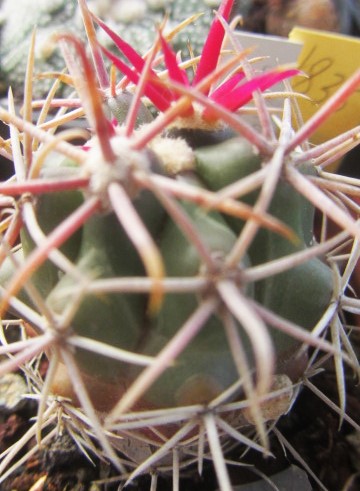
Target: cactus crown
[168,264]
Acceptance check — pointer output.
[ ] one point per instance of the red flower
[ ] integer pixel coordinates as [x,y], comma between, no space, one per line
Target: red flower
[231,94]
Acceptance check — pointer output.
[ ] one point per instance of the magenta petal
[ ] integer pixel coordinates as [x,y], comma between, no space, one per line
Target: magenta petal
[175,72]
[212,47]
[243,94]
[153,92]
[227,86]
[128,51]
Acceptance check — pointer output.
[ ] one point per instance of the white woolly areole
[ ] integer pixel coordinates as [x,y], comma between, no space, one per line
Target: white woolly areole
[174,154]
[103,173]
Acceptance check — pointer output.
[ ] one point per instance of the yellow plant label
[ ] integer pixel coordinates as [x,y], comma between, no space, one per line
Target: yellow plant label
[327,59]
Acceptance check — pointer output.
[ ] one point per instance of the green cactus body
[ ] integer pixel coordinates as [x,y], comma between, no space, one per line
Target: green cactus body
[103,250]
[119,107]
[121,319]
[302,293]
[116,319]
[205,368]
[51,210]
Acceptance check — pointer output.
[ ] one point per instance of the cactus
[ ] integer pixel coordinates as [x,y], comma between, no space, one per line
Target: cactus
[168,266]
